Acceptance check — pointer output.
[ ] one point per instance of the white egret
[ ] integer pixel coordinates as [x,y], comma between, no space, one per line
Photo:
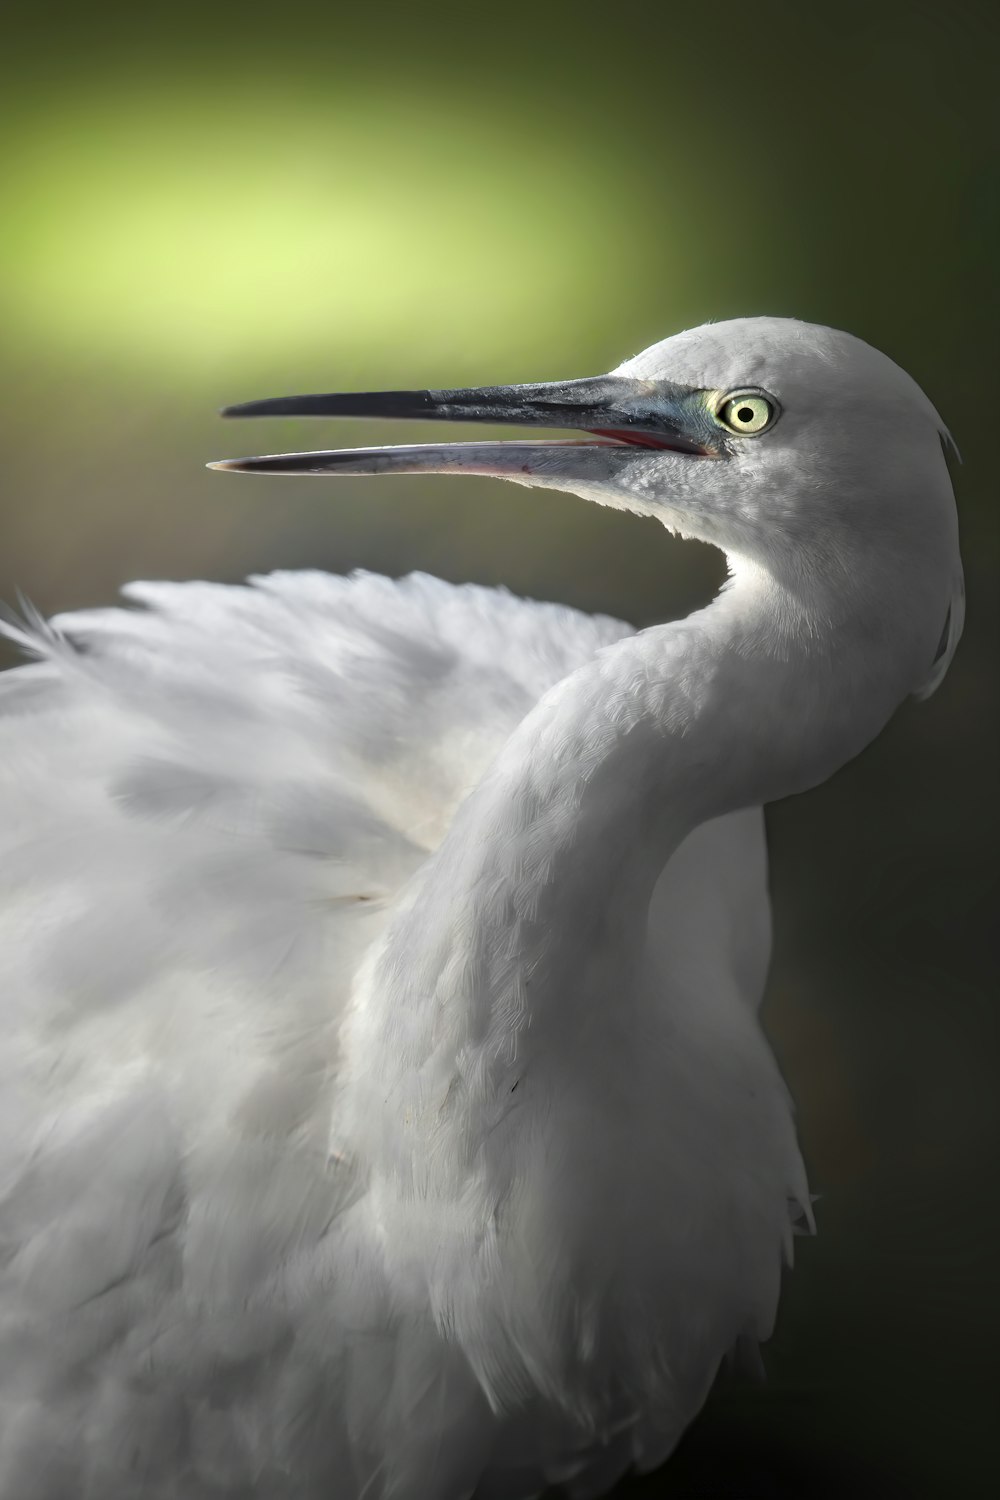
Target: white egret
[385,1108]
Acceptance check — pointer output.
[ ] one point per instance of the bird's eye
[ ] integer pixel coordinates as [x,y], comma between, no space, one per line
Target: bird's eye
[747,412]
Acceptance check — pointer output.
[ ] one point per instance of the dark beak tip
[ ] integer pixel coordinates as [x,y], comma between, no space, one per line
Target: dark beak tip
[271,406]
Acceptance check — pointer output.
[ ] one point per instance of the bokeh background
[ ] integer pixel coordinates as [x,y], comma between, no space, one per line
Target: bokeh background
[204,205]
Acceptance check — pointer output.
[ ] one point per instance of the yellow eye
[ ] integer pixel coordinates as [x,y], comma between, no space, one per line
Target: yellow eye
[746,412]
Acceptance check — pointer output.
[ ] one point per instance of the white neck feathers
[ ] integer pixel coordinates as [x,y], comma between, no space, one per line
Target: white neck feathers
[545,875]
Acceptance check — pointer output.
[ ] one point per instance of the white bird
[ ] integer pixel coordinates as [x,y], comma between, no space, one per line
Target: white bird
[385,1110]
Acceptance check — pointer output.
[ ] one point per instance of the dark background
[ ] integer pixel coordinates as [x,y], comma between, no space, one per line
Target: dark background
[203,206]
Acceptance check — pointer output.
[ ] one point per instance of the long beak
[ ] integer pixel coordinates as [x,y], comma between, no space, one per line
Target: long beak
[619,412]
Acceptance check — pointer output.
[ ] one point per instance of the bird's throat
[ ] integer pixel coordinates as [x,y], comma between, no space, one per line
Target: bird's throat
[534,906]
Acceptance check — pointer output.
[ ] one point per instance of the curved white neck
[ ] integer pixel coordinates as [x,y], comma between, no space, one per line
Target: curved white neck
[744,702]
[552,859]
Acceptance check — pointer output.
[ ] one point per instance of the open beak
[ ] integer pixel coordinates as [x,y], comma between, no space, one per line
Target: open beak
[617,412]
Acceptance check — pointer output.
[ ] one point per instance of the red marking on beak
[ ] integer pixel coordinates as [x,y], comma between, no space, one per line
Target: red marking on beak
[633,439]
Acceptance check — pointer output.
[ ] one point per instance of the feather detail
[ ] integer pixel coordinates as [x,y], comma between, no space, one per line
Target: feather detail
[211,805]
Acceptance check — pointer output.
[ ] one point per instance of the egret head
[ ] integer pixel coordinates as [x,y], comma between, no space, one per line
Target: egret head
[802,452]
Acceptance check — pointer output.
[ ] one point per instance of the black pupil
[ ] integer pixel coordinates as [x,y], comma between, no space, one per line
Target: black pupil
[745,414]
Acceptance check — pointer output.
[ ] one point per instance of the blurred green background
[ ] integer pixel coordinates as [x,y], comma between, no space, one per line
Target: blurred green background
[204,206]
